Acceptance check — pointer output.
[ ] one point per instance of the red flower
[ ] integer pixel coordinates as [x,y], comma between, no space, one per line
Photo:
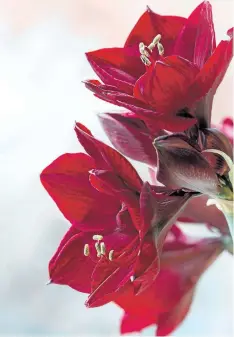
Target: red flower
[132,137]
[175,88]
[167,301]
[113,216]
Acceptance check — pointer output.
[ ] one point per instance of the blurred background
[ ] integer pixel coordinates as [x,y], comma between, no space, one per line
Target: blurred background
[42,63]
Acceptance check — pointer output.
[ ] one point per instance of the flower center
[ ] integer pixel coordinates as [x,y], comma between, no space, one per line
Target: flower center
[146,51]
[99,247]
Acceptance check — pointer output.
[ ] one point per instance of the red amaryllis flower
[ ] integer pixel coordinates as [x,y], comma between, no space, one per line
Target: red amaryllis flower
[167,301]
[115,220]
[184,69]
[132,137]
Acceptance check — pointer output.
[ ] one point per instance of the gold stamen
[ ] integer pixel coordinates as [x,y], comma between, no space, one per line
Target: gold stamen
[111,252]
[86,249]
[103,248]
[97,237]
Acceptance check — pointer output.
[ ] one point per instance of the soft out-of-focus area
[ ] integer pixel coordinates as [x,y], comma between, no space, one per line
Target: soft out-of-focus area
[42,63]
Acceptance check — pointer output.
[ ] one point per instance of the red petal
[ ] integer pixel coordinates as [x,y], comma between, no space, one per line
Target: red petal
[131,323]
[169,321]
[67,182]
[108,63]
[151,24]
[196,42]
[69,265]
[164,86]
[106,157]
[212,73]
[110,276]
[125,61]
[130,137]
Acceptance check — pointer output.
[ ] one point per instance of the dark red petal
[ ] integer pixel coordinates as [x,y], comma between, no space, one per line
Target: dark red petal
[214,139]
[182,166]
[69,265]
[164,86]
[106,157]
[67,181]
[209,215]
[168,322]
[151,24]
[158,212]
[212,73]
[196,42]
[129,136]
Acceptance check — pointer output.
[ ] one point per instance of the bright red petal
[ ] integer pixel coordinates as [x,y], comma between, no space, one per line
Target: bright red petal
[211,75]
[164,86]
[67,182]
[151,24]
[108,158]
[196,42]
[69,265]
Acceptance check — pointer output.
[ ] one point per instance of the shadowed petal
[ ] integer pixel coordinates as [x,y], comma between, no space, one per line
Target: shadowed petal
[182,166]
[214,139]
[129,136]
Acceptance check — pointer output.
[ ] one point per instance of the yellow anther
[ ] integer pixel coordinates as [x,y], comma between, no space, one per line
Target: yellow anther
[97,237]
[86,249]
[103,248]
[98,249]
[111,252]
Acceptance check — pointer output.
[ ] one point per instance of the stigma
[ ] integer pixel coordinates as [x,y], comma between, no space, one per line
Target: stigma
[146,51]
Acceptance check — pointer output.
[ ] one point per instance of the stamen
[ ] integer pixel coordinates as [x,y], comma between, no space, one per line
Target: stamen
[144,50]
[98,249]
[132,278]
[157,39]
[145,60]
[160,49]
[103,248]
[97,237]
[86,250]
[111,252]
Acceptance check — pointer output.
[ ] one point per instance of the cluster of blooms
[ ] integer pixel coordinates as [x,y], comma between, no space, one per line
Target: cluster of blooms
[124,244]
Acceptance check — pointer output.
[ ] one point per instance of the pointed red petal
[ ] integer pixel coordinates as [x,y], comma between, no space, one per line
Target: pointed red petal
[196,42]
[151,24]
[106,157]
